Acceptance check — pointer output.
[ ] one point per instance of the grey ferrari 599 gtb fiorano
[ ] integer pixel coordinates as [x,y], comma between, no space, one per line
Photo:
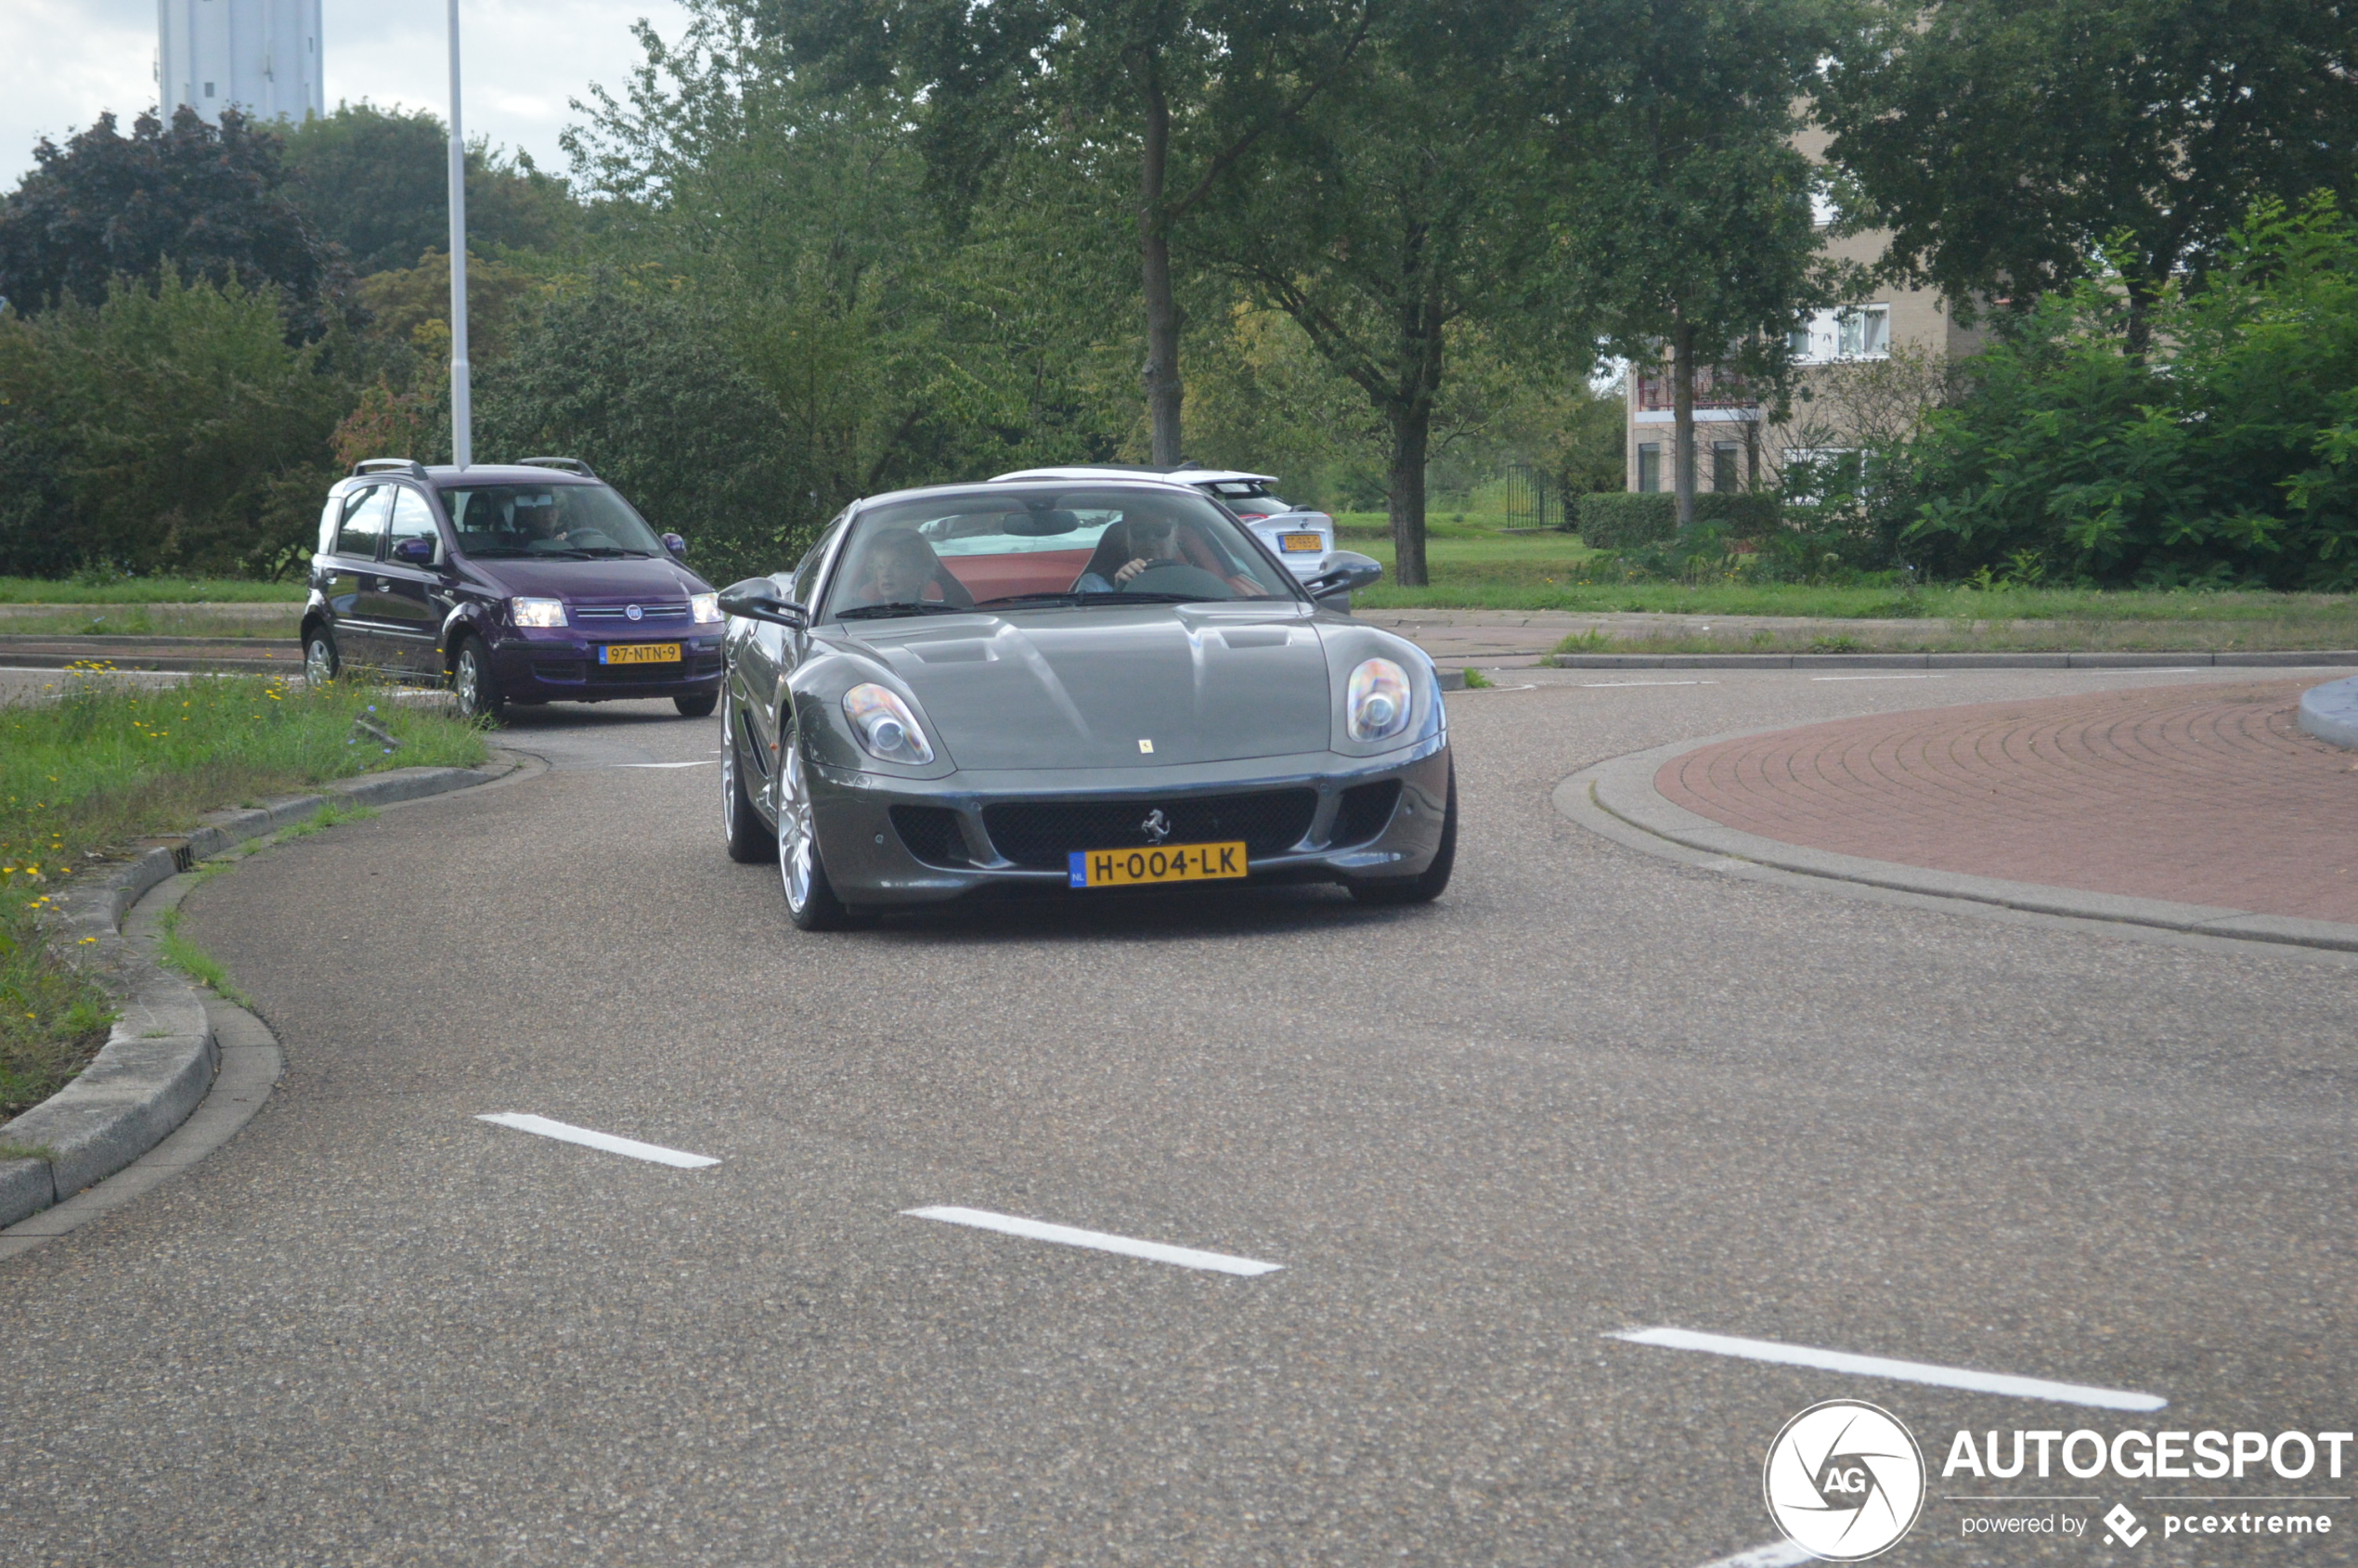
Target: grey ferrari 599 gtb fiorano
[1088,686]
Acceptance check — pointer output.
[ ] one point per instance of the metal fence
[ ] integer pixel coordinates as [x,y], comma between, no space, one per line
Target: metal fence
[1521,490]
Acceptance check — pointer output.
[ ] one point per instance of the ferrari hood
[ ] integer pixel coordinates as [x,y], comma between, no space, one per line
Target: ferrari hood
[1147,686]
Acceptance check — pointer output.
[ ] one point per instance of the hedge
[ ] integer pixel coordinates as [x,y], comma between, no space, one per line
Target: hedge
[1624,519]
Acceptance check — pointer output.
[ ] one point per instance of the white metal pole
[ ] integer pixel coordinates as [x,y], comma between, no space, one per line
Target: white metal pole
[461,396]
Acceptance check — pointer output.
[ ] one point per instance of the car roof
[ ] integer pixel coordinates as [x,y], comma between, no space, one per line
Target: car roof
[445,474]
[1115,479]
[1187,474]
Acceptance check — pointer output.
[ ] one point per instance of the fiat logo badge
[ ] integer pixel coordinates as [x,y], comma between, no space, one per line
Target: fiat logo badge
[635,613]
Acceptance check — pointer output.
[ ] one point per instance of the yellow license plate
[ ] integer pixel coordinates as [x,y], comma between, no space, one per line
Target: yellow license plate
[1171,863]
[639,652]
[1298,544]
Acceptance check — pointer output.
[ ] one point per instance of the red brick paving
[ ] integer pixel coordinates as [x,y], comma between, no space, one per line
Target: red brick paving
[2205,795]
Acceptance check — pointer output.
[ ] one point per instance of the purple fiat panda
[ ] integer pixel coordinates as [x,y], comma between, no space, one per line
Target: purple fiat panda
[518,583]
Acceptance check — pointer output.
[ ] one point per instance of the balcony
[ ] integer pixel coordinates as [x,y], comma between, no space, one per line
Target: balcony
[1715,388]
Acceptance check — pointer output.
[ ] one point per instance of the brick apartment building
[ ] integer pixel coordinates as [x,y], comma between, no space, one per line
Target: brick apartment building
[1736,449]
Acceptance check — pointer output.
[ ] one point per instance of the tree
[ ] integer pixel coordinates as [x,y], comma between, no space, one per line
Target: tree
[1402,212]
[1688,221]
[1159,98]
[2236,464]
[377,182]
[211,201]
[182,428]
[638,382]
[2015,145]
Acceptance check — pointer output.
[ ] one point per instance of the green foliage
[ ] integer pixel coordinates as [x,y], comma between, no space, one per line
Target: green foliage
[175,428]
[2228,463]
[1624,519]
[2014,148]
[209,201]
[376,182]
[638,381]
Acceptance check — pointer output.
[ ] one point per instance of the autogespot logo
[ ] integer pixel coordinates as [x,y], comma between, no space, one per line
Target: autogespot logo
[1844,1479]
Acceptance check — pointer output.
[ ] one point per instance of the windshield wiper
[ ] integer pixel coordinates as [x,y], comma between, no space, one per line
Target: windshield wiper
[603,550]
[902,607]
[1030,600]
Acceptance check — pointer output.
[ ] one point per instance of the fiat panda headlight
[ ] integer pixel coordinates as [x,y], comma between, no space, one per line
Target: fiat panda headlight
[886,727]
[1376,703]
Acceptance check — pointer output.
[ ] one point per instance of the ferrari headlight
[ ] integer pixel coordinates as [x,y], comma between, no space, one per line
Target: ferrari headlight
[536,612]
[1376,703]
[888,731]
[704,607]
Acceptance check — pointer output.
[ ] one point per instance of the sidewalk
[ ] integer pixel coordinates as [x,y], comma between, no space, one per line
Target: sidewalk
[2200,795]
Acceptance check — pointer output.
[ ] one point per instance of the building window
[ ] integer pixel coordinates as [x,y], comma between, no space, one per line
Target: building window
[1649,465]
[1723,466]
[1858,332]
[208,89]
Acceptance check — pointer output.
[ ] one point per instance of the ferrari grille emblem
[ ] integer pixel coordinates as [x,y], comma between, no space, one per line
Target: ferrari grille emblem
[1156,827]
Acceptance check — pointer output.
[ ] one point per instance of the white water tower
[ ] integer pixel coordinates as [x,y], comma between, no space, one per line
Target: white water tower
[261,57]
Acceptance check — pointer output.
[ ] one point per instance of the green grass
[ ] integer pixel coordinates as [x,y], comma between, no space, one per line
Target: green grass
[178,952]
[272,620]
[1475,566]
[147,590]
[82,776]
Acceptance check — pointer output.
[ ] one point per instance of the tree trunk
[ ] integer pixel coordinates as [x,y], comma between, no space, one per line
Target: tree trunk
[2138,334]
[1682,403]
[1405,490]
[1164,393]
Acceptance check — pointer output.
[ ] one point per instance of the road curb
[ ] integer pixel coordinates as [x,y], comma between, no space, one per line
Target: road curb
[1621,791]
[2293,659]
[2330,711]
[162,1053]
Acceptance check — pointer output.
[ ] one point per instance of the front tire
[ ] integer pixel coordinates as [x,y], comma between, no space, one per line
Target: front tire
[476,688]
[697,707]
[320,661]
[1427,884]
[811,903]
[749,842]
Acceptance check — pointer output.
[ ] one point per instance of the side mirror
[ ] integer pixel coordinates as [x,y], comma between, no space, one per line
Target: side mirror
[414,552]
[677,546]
[756,599]
[1347,570]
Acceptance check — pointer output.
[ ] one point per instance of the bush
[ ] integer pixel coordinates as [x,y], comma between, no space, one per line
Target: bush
[2232,463]
[643,386]
[1627,519]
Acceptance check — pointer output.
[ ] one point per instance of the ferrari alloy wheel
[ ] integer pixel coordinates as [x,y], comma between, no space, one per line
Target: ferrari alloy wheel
[811,898]
[749,844]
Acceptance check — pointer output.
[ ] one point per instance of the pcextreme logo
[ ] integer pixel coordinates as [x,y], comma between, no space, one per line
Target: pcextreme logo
[1844,1479]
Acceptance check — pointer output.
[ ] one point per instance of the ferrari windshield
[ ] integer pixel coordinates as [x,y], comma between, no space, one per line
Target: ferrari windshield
[566,522]
[1038,546]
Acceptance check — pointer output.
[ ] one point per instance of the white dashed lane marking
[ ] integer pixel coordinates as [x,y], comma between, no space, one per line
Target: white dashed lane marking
[565,1132]
[1902,1371]
[1039,1230]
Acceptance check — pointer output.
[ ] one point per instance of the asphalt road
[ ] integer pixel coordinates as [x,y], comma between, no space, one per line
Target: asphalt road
[1590,1090]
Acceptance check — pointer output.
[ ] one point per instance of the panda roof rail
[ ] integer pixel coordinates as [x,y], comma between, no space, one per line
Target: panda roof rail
[568,465]
[409,466]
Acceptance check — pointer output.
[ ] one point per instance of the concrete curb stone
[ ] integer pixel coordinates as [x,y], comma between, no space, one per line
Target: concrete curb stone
[2330,712]
[1622,788]
[161,1056]
[2271,659]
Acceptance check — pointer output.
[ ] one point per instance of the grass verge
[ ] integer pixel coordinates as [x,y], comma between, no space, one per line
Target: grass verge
[147,590]
[101,765]
[151,620]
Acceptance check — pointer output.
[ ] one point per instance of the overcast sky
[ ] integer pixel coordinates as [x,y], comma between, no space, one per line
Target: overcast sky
[62,62]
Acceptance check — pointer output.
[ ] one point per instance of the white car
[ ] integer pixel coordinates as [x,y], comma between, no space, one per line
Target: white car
[1304,540]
